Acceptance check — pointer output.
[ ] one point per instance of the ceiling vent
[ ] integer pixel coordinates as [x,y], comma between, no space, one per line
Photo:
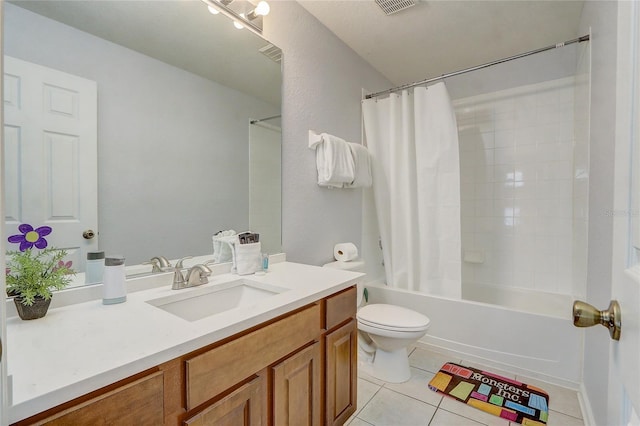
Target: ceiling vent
[394,6]
[272,52]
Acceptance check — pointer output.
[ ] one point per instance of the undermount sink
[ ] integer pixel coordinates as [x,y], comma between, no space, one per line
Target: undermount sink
[198,303]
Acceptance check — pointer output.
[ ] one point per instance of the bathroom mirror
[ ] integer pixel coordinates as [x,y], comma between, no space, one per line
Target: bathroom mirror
[180,94]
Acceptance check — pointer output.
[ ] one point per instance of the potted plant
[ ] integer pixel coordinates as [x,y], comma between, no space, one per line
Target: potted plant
[35,271]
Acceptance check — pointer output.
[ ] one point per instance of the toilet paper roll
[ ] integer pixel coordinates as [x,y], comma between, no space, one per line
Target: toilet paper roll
[345,252]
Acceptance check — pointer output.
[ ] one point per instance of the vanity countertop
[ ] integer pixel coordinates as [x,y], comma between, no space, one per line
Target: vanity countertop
[81,347]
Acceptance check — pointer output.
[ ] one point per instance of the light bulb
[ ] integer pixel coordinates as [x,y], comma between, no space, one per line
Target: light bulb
[263,8]
[213,10]
[237,24]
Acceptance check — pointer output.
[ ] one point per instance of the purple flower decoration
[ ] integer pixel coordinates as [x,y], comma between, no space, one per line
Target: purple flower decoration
[30,237]
[62,264]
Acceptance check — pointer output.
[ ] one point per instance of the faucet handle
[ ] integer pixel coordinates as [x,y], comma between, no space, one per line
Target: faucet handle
[160,263]
[179,262]
[198,274]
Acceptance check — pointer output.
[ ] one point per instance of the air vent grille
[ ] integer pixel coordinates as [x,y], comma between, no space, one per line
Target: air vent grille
[393,6]
[272,52]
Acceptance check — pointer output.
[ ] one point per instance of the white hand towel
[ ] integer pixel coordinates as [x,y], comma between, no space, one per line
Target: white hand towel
[362,161]
[334,161]
[222,245]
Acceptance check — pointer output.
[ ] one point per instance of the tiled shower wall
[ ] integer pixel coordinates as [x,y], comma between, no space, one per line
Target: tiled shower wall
[517,186]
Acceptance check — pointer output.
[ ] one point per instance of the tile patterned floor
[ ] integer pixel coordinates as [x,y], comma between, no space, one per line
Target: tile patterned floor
[413,404]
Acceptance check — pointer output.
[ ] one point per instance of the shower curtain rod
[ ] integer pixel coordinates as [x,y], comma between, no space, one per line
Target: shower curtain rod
[265,119]
[477,67]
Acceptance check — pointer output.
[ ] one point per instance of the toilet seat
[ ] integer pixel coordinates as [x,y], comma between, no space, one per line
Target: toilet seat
[392,318]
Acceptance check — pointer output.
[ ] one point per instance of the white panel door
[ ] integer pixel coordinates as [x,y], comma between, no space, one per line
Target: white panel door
[624,382]
[50,131]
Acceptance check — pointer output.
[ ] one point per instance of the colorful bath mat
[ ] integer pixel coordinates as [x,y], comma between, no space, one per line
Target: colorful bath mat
[497,395]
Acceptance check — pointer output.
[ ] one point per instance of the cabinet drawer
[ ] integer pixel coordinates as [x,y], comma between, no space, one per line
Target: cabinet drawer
[139,402]
[341,307]
[214,371]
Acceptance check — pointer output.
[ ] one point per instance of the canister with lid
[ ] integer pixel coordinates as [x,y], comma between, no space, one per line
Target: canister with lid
[114,282]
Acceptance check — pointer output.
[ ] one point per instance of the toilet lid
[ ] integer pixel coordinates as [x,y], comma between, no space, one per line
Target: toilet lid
[392,317]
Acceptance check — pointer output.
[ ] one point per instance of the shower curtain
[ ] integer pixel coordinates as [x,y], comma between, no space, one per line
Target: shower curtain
[413,141]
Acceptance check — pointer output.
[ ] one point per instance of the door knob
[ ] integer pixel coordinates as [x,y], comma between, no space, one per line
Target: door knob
[585,315]
[88,234]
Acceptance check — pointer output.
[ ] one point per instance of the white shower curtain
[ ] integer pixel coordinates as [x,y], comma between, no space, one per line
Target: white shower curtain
[413,141]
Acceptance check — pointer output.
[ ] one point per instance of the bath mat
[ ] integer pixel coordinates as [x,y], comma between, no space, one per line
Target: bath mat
[497,395]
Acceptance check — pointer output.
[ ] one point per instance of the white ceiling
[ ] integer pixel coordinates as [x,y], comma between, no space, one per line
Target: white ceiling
[438,37]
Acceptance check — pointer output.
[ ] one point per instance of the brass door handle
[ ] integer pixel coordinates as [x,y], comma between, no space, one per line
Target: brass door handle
[88,234]
[585,315]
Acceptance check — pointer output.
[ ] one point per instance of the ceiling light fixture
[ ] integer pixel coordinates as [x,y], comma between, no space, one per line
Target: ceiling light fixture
[213,10]
[240,20]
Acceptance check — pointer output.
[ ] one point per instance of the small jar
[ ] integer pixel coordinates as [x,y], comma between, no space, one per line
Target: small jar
[94,268]
[114,281]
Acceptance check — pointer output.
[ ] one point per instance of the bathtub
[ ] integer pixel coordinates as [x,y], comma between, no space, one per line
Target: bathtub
[546,347]
[520,299]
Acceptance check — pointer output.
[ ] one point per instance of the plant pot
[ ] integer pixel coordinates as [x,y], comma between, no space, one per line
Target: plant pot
[35,311]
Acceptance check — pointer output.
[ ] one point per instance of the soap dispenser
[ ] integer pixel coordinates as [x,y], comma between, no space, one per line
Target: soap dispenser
[94,269]
[114,282]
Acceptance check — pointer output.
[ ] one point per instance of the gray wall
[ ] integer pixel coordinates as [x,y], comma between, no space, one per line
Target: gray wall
[601,16]
[164,135]
[322,91]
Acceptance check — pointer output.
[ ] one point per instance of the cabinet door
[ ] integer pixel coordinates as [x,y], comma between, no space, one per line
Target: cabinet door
[341,355]
[245,406]
[296,388]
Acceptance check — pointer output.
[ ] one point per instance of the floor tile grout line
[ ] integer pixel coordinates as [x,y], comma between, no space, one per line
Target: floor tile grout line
[362,420]
[565,414]
[369,401]
[411,397]
[462,415]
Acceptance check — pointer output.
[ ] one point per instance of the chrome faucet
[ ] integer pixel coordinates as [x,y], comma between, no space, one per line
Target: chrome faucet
[178,278]
[160,263]
[198,275]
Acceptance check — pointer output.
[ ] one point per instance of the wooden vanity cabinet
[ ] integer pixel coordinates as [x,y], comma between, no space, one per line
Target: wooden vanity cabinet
[297,369]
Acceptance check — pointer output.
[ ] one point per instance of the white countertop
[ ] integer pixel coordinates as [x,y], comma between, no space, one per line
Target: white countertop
[81,347]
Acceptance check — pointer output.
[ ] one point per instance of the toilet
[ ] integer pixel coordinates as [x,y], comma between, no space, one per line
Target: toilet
[384,333]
